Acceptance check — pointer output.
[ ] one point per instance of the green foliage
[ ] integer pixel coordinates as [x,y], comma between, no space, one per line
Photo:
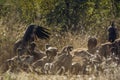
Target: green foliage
[66,13]
[2,2]
[73,15]
[26,9]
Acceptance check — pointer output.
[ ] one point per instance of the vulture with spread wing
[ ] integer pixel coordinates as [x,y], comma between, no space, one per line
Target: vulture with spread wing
[31,33]
[34,31]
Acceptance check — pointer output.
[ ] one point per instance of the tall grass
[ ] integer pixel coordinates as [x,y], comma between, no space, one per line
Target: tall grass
[114,75]
[9,35]
[9,38]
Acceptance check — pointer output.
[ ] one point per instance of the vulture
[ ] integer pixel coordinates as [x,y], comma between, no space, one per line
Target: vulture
[31,34]
[34,31]
[112,33]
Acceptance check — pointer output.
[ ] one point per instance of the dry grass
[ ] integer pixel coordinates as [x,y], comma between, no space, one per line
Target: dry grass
[114,75]
[8,38]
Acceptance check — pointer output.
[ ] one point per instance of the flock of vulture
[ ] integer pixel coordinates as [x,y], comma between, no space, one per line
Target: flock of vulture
[95,59]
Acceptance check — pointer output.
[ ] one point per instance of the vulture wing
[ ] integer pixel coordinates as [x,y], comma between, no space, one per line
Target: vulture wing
[42,33]
[28,33]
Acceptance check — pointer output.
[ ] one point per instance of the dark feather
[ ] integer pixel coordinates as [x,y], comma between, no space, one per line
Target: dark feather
[40,32]
[28,33]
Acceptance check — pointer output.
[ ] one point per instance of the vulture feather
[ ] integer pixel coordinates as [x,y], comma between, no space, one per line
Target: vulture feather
[35,31]
[30,34]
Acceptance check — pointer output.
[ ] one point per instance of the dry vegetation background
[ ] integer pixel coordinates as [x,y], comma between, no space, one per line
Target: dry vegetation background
[12,28]
[78,41]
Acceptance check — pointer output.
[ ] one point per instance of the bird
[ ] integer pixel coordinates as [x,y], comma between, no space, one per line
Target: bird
[31,34]
[34,31]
